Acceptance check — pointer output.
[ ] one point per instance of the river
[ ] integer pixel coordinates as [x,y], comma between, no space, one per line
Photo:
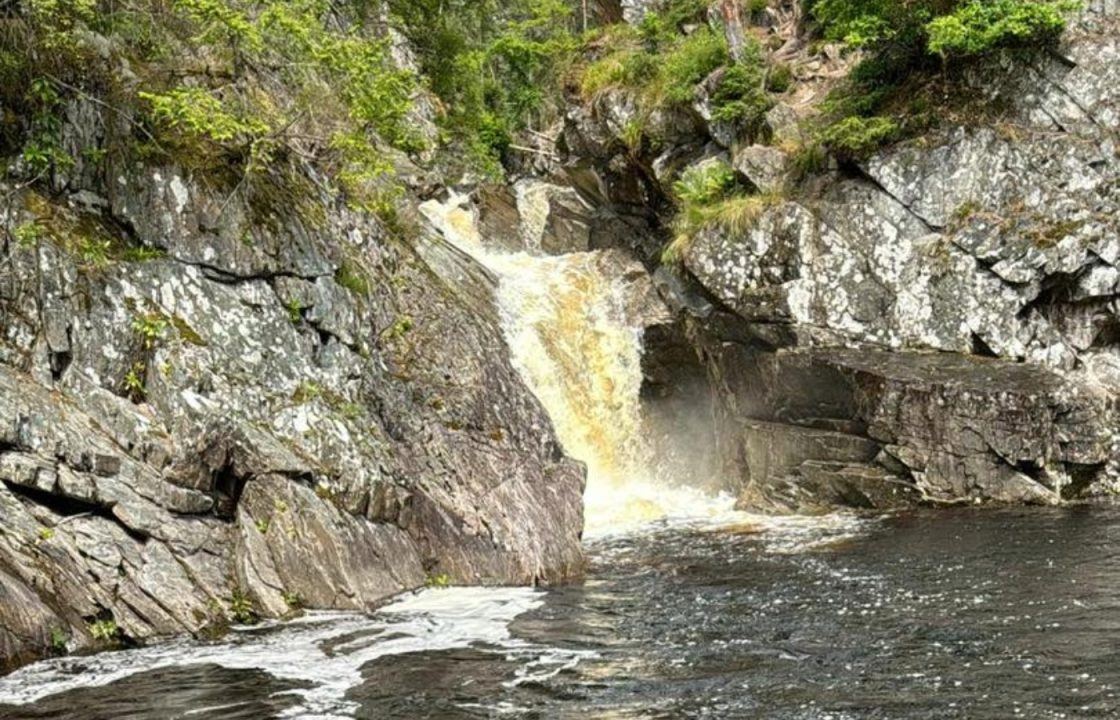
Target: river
[941,614]
[688,609]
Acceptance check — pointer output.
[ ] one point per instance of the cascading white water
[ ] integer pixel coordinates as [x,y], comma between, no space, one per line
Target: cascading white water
[578,345]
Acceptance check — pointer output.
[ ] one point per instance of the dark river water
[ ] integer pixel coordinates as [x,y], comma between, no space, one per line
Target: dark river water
[947,614]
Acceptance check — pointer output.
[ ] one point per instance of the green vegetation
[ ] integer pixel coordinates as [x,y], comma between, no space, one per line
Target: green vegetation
[60,639]
[856,136]
[45,533]
[241,90]
[253,94]
[441,581]
[915,48]
[978,27]
[133,383]
[105,632]
[295,310]
[352,276]
[496,64]
[27,234]
[968,27]
[241,607]
[293,600]
[307,391]
[401,326]
[661,66]
[150,328]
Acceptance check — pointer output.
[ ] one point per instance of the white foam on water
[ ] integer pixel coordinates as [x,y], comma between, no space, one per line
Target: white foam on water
[326,650]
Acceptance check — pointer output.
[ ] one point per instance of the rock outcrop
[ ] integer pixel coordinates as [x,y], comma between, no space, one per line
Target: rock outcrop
[209,408]
[938,323]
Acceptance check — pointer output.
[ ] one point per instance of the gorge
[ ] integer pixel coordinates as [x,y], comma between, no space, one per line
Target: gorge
[696,406]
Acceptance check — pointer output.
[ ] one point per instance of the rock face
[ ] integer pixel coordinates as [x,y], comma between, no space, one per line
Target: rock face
[534,216]
[939,323]
[999,242]
[206,403]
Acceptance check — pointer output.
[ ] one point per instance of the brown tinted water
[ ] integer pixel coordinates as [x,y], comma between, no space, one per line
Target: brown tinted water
[947,614]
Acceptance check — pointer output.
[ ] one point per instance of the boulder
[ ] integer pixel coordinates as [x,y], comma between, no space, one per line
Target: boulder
[763,166]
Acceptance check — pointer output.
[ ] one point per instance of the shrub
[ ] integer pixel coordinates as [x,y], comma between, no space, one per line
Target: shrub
[441,581]
[150,328]
[496,65]
[855,137]
[780,78]
[685,64]
[739,97]
[668,20]
[241,607]
[133,384]
[906,43]
[982,25]
[60,639]
[197,112]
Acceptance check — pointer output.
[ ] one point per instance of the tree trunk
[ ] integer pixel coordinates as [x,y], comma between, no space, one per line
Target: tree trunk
[732,12]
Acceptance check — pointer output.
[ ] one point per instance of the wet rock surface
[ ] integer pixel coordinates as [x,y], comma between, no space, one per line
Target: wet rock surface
[208,406]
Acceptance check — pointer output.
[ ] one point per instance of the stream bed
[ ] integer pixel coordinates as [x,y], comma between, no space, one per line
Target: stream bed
[934,614]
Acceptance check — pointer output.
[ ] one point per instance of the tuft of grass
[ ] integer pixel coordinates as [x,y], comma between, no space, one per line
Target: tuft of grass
[307,391]
[60,640]
[808,158]
[685,65]
[623,62]
[735,215]
[295,311]
[293,600]
[704,183]
[351,276]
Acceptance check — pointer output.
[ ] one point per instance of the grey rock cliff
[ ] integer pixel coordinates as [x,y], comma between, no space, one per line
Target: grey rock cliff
[937,324]
[203,400]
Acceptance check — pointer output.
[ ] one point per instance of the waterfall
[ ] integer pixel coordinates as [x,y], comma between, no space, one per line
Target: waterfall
[576,339]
